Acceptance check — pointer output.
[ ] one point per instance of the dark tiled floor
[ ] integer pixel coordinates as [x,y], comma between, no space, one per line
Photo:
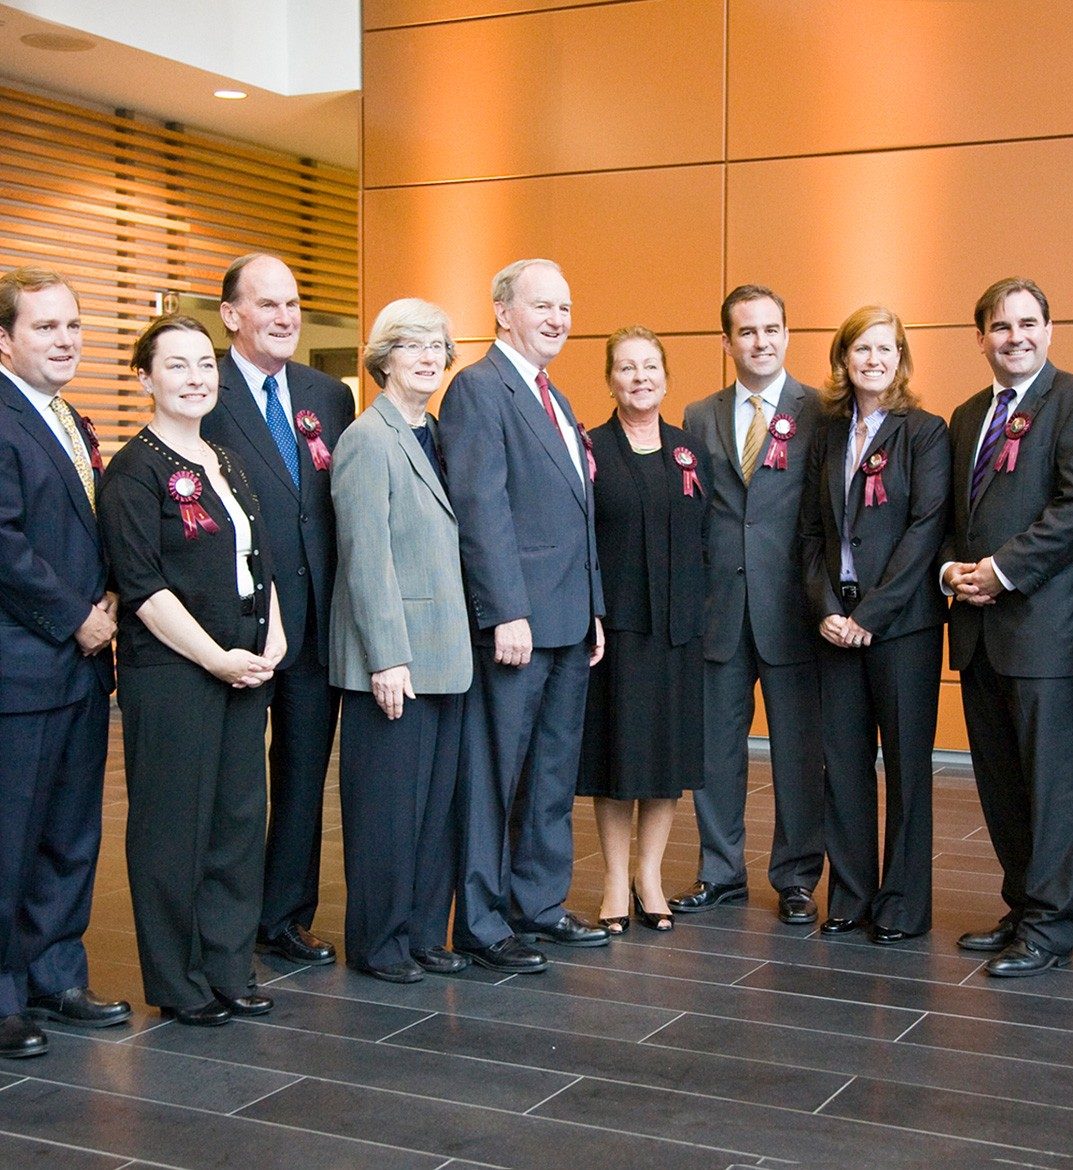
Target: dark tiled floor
[735,1042]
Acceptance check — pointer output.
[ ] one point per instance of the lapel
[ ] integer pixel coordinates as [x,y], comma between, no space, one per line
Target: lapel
[837,438]
[411,448]
[527,405]
[38,430]
[237,399]
[790,402]
[887,428]
[723,408]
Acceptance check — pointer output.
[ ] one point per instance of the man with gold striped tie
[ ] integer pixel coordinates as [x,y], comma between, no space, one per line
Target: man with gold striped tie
[56,627]
[758,432]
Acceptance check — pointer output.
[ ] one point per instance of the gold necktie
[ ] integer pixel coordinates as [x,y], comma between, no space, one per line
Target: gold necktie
[754,438]
[85,472]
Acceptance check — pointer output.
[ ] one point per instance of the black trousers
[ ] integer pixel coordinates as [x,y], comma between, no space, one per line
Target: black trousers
[888,691]
[397,788]
[195,761]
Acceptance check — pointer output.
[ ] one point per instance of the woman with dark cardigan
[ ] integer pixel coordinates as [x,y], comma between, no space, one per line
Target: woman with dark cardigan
[643,737]
[199,636]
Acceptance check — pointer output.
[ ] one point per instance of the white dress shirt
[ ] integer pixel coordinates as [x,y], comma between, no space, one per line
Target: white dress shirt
[743,408]
[255,379]
[42,403]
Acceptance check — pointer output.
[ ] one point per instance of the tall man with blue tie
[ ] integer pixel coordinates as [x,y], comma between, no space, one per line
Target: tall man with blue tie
[1008,563]
[282,419]
[56,627]
[520,486]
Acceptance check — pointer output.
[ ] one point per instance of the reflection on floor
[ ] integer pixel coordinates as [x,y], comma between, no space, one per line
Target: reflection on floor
[733,1042]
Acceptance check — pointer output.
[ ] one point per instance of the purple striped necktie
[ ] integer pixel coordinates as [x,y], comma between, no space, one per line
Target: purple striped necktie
[987,447]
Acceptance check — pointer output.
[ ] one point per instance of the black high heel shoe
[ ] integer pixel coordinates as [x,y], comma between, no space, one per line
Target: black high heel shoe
[661,922]
[615,926]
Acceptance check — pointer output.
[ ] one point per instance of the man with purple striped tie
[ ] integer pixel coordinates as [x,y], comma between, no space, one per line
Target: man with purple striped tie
[1008,564]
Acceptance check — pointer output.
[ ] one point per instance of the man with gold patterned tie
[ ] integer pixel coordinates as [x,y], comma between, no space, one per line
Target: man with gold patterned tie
[56,627]
[758,432]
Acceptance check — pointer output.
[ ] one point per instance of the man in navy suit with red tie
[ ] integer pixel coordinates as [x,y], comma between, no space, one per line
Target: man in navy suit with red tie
[1008,563]
[56,627]
[282,419]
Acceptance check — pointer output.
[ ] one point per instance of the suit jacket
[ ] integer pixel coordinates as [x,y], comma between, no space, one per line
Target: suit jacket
[1024,519]
[525,516]
[398,597]
[52,567]
[894,544]
[754,551]
[626,532]
[300,522]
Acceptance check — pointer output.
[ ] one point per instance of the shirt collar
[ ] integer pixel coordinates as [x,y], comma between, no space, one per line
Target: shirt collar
[255,378]
[39,399]
[1020,389]
[770,394]
[524,367]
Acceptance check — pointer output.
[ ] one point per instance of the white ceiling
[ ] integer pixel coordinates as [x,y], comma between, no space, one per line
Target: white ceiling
[110,75]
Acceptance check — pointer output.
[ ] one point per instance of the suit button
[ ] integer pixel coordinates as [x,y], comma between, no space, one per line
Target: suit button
[302,572]
[303,517]
[740,570]
[587,565]
[748,524]
[856,542]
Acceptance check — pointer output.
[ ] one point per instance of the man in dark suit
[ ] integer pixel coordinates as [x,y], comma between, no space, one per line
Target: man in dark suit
[519,483]
[758,433]
[282,419]
[56,627]
[1009,565]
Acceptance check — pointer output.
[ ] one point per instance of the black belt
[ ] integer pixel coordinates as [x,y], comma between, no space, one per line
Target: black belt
[851,592]
[248,604]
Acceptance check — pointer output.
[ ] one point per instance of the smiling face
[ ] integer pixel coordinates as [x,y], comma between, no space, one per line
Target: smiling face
[45,342]
[182,379]
[414,366]
[872,364]
[536,321]
[757,342]
[265,317]
[1016,338]
[638,380]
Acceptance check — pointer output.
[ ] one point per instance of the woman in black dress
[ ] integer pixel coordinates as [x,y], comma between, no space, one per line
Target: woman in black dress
[643,737]
[199,636]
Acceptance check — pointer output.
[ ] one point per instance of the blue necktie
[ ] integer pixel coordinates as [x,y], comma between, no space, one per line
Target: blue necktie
[280,429]
[987,447]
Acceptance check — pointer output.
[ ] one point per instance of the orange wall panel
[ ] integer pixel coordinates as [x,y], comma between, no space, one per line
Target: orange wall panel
[627,258]
[925,231]
[396,13]
[580,89]
[867,74]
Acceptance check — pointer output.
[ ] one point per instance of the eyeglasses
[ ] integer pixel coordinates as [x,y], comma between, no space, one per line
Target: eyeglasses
[413,348]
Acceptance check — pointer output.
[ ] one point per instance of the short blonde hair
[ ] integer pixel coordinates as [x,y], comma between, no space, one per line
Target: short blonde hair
[837,392]
[401,320]
[632,333]
[505,279]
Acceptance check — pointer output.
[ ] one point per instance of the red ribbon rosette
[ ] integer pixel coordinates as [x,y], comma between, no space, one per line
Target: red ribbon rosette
[95,460]
[1016,429]
[874,491]
[687,461]
[184,487]
[309,428]
[586,442]
[782,430]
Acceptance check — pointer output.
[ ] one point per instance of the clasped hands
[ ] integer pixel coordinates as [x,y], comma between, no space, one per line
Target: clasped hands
[978,584]
[843,631]
[514,643]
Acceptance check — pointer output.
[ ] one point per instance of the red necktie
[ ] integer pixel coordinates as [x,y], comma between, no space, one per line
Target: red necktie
[545,398]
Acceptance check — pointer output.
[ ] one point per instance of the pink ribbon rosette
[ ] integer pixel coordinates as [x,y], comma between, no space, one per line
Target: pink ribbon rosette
[184,487]
[586,442]
[687,461]
[1016,429]
[309,428]
[874,491]
[782,430]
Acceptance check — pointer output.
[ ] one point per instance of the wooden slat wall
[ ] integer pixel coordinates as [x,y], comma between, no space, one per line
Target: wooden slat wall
[125,208]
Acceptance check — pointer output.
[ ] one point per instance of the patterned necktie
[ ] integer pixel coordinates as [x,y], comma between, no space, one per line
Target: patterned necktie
[85,472]
[754,438]
[280,429]
[987,447]
[545,398]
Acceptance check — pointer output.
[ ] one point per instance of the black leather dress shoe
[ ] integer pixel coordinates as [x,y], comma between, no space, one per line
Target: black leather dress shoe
[440,961]
[405,971]
[509,955]
[298,945]
[998,938]
[885,936]
[842,925]
[569,931]
[705,896]
[20,1036]
[796,906]
[78,1006]
[209,1015]
[244,1005]
[1024,958]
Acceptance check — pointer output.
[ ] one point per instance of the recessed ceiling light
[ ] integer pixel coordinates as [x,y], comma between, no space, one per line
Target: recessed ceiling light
[57,42]
[232,95]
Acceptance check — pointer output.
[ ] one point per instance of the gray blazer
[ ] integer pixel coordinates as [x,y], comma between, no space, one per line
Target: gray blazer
[398,597]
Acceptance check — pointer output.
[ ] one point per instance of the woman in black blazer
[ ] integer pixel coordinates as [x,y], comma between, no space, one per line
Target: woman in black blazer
[873,516]
[643,736]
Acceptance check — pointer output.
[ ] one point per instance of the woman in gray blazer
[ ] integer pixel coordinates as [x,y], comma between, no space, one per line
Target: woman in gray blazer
[400,650]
